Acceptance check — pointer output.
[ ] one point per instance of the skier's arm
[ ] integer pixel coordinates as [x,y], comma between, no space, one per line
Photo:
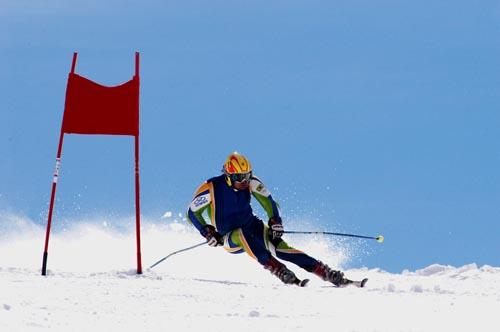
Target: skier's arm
[263,196]
[201,202]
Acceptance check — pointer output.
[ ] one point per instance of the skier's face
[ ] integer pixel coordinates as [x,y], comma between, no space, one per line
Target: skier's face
[240,181]
[240,177]
[243,185]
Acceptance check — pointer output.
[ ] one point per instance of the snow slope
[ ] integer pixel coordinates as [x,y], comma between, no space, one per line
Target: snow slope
[92,286]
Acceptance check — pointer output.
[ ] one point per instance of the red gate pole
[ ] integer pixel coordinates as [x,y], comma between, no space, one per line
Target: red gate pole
[51,207]
[54,185]
[137,195]
[137,207]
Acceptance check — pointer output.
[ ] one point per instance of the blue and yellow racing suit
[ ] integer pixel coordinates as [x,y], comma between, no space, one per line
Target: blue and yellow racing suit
[230,212]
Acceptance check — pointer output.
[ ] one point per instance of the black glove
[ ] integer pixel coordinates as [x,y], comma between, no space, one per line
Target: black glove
[213,237]
[275,228]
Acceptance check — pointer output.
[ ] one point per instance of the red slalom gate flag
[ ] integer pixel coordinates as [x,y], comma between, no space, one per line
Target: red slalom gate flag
[92,108]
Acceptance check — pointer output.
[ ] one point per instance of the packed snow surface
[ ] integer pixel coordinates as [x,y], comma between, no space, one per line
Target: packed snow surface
[92,286]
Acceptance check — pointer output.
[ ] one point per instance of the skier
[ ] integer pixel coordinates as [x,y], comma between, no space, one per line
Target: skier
[226,198]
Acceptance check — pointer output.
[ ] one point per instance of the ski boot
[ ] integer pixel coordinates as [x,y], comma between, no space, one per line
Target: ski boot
[281,271]
[326,273]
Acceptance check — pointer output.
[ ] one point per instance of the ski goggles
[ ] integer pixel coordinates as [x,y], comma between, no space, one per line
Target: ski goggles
[240,177]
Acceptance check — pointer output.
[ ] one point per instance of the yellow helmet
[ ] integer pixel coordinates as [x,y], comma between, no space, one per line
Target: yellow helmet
[237,168]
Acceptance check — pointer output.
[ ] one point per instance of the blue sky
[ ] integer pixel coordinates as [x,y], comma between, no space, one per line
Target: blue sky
[361,116]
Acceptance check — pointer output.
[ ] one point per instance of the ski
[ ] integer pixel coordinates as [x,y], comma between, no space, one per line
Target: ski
[300,283]
[347,282]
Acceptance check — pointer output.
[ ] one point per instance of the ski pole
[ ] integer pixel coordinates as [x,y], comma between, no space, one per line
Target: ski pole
[379,238]
[176,252]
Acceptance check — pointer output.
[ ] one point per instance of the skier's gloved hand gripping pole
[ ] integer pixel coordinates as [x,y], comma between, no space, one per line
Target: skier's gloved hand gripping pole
[275,228]
[213,237]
